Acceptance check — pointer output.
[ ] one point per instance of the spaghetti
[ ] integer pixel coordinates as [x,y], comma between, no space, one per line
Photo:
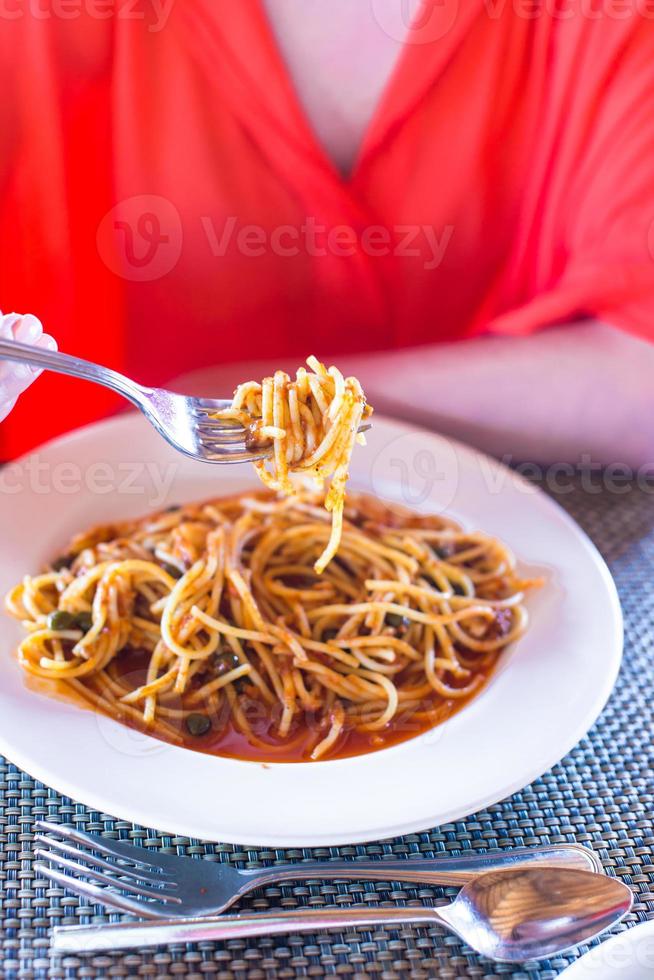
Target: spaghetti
[311,425]
[208,624]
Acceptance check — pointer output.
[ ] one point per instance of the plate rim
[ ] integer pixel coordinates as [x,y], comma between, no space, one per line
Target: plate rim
[134,813]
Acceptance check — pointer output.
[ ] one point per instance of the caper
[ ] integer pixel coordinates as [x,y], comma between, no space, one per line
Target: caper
[84,621]
[398,621]
[60,619]
[441,551]
[226,661]
[197,724]
[172,570]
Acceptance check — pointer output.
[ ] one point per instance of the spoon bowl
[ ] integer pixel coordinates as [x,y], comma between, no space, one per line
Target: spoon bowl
[512,916]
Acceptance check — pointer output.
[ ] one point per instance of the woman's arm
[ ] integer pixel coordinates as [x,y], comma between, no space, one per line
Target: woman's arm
[578,392]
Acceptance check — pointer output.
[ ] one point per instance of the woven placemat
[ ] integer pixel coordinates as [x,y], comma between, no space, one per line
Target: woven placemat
[601,795]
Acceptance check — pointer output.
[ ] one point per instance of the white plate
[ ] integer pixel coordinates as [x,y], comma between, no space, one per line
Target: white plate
[541,701]
[627,956]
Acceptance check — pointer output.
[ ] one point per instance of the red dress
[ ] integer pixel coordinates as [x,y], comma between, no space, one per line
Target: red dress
[165,205]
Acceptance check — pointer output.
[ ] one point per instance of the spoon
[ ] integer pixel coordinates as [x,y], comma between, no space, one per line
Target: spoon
[509,916]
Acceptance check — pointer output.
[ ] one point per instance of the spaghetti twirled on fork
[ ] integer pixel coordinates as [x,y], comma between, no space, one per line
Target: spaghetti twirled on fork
[311,425]
[208,624]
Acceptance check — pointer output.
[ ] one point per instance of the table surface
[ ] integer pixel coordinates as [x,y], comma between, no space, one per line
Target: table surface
[600,795]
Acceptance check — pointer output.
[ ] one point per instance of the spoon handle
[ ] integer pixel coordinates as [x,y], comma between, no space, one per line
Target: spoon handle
[133,935]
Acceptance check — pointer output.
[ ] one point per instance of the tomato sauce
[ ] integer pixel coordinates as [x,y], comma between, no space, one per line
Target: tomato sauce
[224,739]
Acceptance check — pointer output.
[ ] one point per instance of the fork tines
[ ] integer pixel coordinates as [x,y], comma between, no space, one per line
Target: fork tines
[225,437]
[102,870]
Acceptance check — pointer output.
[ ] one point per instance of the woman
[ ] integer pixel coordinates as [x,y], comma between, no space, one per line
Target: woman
[206,182]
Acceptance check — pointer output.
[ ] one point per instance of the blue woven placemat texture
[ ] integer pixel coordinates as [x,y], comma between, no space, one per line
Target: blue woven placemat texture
[601,795]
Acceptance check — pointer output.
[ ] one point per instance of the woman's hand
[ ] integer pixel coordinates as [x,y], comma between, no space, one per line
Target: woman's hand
[15,377]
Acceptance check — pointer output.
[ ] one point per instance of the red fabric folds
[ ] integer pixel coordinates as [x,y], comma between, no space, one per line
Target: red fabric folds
[165,205]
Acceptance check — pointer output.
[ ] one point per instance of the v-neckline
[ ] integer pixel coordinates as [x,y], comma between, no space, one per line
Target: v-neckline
[284,69]
[245,25]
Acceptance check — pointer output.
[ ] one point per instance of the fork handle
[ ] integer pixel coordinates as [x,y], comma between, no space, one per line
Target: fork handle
[456,870]
[76,367]
[135,935]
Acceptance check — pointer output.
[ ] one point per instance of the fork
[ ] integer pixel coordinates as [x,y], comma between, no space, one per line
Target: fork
[184,421]
[164,885]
